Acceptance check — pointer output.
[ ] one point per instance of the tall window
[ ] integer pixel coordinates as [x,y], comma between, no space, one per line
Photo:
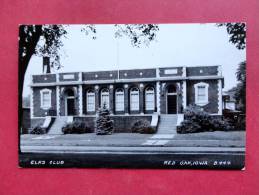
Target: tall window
[90,100]
[134,99]
[150,98]
[105,98]
[119,100]
[45,98]
[201,94]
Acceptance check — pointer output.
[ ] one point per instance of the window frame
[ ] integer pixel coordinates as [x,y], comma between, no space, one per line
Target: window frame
[206,99]
[92,93]
[150,108]
[136,108]
[120,108]
[105,92]
[48,106]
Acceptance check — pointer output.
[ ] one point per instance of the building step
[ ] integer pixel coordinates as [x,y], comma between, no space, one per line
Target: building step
[56,127]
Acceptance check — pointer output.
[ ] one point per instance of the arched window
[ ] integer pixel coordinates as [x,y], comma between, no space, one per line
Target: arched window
[90,101]
[134,99]
[105,98]
[119,100]
[150,98]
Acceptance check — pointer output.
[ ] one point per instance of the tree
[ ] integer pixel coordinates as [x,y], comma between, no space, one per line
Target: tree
[240,92]
[104,124]
[237,34]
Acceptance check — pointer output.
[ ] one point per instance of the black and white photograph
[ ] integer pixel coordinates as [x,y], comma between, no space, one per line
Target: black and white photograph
[169,96]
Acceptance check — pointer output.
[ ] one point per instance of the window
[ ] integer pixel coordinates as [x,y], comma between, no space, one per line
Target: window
[201,94]
[45,98]
[134,99]
[90,99]
[150,98]
[105,98]
[119,100]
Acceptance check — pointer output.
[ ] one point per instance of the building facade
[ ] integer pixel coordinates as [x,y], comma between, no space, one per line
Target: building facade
[127,92]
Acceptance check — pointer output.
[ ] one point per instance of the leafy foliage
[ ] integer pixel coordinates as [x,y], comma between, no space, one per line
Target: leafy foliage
[240,94]
[196,120]
[237,33]
[137,33]
[38,130]
[104,124]
[76,127]
[142,126]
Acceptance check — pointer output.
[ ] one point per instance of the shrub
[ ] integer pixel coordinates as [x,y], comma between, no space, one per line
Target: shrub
[38,130]
[142,126]
[197,120]
[103,124]
[76,127]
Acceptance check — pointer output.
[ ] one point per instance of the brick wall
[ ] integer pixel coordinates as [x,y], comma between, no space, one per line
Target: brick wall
[137,73]
[167,72]
[100,75]
[26,121]
[202,71]
[212,106]
[37,110]
[45,78]
[73,76]
[122,124]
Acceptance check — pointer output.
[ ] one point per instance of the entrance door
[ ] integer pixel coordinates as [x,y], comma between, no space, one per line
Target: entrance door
[171,104]
[70,106]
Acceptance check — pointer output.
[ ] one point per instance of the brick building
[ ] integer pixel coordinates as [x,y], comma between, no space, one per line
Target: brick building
[129,94]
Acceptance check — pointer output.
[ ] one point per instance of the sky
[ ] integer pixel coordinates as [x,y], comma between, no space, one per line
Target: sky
[175,45]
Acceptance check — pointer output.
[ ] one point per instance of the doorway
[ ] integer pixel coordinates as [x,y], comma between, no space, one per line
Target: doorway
[70,103]
[171,100]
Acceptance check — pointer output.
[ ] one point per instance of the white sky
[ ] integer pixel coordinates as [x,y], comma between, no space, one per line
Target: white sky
[175,45]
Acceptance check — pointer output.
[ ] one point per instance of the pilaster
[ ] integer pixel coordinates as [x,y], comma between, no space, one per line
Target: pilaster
[141,98]
[126,99]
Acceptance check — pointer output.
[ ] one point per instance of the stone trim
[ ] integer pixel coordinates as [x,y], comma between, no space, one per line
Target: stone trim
[58,100]
[80,99]
[220,97]
[158,95]
[41,98]
[206,101]
[31,103]
[184,94]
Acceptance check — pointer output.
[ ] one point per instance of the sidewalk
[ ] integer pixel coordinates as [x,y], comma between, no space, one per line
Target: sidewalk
[228,142]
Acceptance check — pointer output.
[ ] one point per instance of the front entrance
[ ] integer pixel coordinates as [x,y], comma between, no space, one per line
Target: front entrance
[171,100]
[70,103]
[70,107]
[171,104]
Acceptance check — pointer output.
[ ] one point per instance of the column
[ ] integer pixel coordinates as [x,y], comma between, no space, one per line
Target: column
[141,98]
[184,100]
[220,97]
[158,97]
[58,100]
[126,99]
[80,99]
[96,90]
[31,102]
[111,98]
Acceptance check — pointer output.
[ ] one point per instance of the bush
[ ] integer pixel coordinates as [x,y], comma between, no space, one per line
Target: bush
[142,126]
[76,127]
[38,130]
[196,120]
[103,124]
